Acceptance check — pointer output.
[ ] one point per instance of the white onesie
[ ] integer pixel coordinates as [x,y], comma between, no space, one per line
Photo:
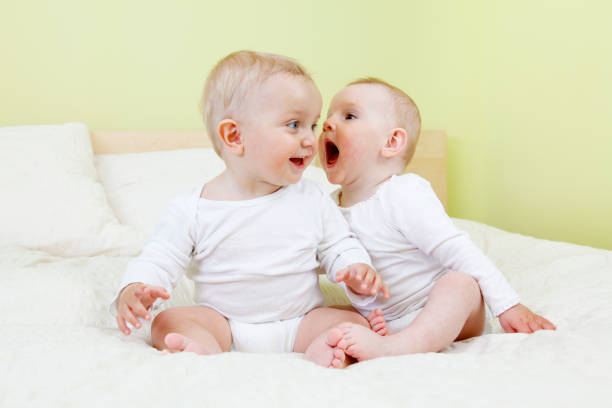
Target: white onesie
[255,260]
[412,243]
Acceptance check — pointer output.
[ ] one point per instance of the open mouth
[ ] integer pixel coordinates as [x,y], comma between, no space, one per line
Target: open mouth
[331,154]
[297,162]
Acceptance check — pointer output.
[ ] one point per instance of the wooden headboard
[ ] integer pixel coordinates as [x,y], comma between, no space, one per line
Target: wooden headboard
[429,160]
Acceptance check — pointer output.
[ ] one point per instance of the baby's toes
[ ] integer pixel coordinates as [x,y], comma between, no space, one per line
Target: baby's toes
[334,336]
[339,359]
[345,327]
[377,321]
[378,327]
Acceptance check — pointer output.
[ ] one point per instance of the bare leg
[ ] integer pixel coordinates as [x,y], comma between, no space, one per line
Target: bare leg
[454,311]
[197,329]
[317,337]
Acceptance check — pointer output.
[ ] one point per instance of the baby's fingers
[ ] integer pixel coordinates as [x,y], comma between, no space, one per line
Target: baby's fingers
[358,273]
[139,310]
[341,275]
[369,279]
[547,325]
[385,291]
[156,292]
[522,327]
[540,323]
[380,286]
[126,316]
[376,285]
[131,319]
[506,326]
[122,326]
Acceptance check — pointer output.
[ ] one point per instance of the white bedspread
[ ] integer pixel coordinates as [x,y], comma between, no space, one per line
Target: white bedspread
[59,346]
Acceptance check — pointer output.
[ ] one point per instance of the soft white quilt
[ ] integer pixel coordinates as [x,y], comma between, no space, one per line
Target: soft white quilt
[69,223]
[60,347]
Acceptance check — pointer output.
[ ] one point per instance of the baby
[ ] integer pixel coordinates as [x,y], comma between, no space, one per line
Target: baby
[438,277]
[256,233]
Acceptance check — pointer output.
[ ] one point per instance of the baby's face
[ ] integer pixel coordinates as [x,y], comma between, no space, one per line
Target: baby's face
[354,132]
[278,129]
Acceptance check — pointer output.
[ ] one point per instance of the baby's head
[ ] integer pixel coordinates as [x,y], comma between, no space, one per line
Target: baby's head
[260,111]
[372,128]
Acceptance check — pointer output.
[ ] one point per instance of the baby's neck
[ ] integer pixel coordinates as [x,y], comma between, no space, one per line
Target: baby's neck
[227,187]
[351,194]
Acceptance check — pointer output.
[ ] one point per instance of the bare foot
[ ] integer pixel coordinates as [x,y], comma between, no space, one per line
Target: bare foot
[378,323]
[178,343]
[325,352]
[360,342]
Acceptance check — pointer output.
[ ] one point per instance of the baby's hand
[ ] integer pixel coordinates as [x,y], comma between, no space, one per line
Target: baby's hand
[519,319]
[363,280]
[134,302]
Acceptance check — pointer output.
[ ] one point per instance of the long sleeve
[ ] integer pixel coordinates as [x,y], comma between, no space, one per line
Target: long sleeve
[416,211]
[166,256]
[340,248]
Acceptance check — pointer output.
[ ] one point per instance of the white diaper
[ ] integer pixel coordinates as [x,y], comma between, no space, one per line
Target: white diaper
[269,337]
[402,322]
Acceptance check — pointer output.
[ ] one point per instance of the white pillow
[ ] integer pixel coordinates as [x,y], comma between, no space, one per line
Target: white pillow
[139,186]
[51,199]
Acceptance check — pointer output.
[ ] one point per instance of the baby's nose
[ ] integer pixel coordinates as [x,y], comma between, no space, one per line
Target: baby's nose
[327,126]
[309,139]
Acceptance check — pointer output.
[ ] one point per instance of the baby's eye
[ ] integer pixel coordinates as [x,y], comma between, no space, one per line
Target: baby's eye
[294,124]
[350,116]
[314,126]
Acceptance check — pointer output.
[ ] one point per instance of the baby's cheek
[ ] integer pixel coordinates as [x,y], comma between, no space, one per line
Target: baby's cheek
[353,152]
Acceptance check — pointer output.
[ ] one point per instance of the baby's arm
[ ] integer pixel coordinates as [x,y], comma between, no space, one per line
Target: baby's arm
[413,208]
[417,212]
[343,257]
[135,301]
[519,319]
[157,270]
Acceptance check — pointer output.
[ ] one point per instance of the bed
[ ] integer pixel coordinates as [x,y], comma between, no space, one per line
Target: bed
[77,205]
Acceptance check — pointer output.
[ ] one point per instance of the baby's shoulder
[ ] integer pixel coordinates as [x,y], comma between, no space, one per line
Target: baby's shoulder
[308,188]
[407,184]
[186,203]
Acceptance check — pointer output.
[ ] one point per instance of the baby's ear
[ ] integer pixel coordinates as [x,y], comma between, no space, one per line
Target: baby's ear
[229,133]
[395,143]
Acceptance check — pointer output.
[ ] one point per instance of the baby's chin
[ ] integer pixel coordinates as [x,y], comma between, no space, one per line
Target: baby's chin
[293,180]
[333,177]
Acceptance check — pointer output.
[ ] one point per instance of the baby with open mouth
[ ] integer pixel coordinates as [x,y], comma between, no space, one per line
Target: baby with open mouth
[439,279]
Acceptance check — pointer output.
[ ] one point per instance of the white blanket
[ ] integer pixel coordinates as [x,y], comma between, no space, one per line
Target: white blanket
[59,346]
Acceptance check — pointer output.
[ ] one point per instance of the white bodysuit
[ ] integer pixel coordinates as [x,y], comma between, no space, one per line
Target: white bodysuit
[412,243]
[255,260]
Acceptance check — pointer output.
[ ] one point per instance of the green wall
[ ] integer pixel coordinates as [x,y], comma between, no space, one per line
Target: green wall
[522,88]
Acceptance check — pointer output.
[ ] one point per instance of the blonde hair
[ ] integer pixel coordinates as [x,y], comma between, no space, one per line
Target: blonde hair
[406,113]
[230,81]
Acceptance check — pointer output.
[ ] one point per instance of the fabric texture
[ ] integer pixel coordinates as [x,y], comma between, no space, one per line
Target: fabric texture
[61,347]
[413,242]
[255,260]
[269,337]
[51,198]
[140,186]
